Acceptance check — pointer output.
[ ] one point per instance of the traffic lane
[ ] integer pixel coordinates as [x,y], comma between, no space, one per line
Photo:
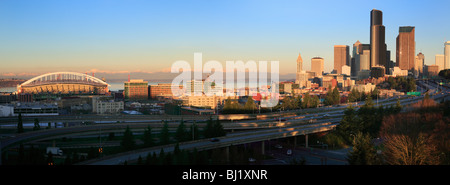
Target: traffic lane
[311,157]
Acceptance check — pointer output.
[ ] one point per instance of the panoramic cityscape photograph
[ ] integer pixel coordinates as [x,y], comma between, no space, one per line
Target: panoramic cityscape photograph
[201,91]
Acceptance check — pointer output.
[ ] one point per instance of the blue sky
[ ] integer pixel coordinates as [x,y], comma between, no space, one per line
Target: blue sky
[113,36]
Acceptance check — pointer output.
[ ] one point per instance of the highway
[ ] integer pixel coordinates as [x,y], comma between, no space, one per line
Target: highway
[296,123]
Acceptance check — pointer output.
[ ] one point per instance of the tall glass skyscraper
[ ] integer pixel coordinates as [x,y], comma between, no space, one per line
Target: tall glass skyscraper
[377,40]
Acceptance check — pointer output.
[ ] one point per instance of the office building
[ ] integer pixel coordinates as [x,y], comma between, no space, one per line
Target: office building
[345,70]
[136,90]
[432,70]
[317,66]
[364,60]
[359,57]
[447,55]
[299,68]
[439,61]
[106,105]
[418,66]
[377,40]
[341,57]
[163,90]
[406,48]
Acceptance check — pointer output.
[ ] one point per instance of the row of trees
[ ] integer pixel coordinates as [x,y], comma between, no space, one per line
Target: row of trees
[307,101]
[212,129]
[405,84]
[233,106]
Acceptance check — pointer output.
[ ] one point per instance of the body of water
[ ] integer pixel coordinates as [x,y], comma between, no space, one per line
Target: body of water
[8,89]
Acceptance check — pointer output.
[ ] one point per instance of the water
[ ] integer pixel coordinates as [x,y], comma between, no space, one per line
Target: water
[8,89]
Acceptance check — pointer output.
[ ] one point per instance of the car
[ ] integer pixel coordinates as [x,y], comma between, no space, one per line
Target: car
[289,152]
[278,146]
[214,140]
[251,159]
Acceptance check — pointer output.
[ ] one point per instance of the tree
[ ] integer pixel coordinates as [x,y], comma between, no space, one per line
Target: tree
[412,138]
[20,124]
[148,138]
[354,95]
[36,124]
[397,107]
[180,134]
[349,125]
[363,152]
[329,97]
[306,101]
[298,102]
[218,129]
[193,132]
[128,142]
[228,107]
[165,136]
[250,105]
[208,130]
[336,96]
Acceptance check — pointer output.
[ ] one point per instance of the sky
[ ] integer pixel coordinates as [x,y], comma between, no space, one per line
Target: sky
[119,37]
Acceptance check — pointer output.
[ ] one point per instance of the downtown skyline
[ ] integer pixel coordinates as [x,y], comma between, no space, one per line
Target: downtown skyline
[123,37]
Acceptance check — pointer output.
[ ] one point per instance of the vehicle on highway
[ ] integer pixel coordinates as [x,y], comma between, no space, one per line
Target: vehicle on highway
[251,159]
[289,152]
[278,146]
[214,140]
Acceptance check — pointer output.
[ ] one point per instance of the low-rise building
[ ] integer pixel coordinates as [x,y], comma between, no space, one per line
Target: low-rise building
[366,88]
[103,105]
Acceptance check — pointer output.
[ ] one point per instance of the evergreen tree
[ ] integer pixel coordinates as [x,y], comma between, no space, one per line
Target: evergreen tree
[363,152]
[329,99]
[218,129]
[193,132]
[336,96]
[208,131]
[128,142]
[165,136]
[227,108]
[250,105]
[36,124]
[306,102]
[349,125]
[397,107]
[298,102]
[20,124]
[140,162]
[148,138]
[181,133]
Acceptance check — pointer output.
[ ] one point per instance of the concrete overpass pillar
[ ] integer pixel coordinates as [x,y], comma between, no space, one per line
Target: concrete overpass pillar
[262,147]
[295,141]
[227,154]
[306,140]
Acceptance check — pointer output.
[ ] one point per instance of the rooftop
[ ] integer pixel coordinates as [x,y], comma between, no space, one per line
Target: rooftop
[406,28]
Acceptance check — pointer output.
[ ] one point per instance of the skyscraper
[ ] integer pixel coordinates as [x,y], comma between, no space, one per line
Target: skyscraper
[406,48]
[299,68]
[317,65]
[341,57]
[447,55]
[440,61]
[377,39]
[418,66]
[359,60]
